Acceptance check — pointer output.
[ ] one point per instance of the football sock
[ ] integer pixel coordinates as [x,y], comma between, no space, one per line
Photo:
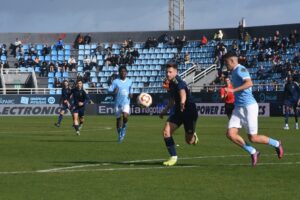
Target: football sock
[170,146]
[286,117]
[273,143]
[76,127]
[124,125]
[60,117]
[249,148]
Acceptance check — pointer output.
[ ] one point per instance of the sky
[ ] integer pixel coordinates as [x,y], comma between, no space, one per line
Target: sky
[139,15]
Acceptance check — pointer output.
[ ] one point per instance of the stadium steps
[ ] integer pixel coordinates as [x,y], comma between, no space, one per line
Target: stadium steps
[42,82]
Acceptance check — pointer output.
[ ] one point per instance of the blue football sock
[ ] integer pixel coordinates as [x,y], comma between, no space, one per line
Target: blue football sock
[273,143]
[60,117]
[170,146]
[249,149]
[124,125]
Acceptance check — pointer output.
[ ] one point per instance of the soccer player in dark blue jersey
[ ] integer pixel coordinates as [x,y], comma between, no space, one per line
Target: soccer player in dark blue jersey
[183,112]
[79,99]
[291,101]
[64,102]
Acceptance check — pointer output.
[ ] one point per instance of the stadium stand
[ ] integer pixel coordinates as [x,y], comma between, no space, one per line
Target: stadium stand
[268,59]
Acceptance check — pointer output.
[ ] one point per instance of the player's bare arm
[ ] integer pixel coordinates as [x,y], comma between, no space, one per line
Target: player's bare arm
[182,94]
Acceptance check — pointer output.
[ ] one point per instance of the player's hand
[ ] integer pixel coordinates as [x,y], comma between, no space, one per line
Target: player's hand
[164,112]
[80,103]
[182,107]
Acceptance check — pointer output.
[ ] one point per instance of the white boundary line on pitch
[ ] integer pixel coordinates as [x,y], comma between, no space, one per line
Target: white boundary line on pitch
[57,131]
[76,168]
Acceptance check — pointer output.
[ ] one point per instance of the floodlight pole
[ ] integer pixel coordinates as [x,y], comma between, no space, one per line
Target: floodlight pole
[176,15]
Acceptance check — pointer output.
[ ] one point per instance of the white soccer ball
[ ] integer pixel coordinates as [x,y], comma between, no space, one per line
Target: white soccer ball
[144,100]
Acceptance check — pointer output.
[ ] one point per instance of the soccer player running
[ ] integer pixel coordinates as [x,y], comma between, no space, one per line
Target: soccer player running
[79,99]
[245,111]
[183,112]
[291,101]
[227,97]
[64,101]
[122,87]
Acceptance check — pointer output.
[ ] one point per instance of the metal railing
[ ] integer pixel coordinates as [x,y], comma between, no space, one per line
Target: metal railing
[204,73]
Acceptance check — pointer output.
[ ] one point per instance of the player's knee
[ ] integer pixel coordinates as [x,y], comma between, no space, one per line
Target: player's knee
[253,138]
[230,134]
[166,133]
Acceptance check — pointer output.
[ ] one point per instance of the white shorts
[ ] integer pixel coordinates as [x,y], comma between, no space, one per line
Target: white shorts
[247,116]
[122,108]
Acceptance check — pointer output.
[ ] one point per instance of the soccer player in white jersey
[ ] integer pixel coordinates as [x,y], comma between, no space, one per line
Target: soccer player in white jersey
[122,87]
[245,111]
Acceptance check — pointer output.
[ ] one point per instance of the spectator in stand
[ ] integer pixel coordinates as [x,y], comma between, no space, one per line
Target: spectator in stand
[72,63]
[296,59]
[235,46]
[293,37]
[51,67]
[218,36]
[29,62]
[46,50]
[78,41]
[57,83]
[87,39]
[36,62]
[187,58]
[148,43]
[15,47]
[43,71]
[59,44]
[173,41]
[203,41]
[135,53]
[86,77]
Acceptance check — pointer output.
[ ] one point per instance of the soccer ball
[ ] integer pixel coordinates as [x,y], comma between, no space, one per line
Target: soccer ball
[144,100]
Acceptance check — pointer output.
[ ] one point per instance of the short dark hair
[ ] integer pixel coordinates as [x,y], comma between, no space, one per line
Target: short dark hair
[173,65]
[121,68]
[230,54]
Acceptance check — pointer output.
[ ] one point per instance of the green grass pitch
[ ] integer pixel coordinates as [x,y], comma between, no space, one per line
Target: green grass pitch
[39,161]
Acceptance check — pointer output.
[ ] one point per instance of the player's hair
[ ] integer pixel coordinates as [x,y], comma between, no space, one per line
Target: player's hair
[121,68]
[230,54]
[78,80]
[173,65]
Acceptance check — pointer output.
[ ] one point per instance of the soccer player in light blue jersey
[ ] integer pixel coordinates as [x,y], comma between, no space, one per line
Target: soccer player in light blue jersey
[122,87]
[245,111]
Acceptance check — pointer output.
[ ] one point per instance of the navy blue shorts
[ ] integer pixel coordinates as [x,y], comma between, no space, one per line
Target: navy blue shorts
[290,103]
[188,118]
[80,111]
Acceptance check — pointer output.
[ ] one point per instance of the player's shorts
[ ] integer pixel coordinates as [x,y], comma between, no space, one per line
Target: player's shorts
[229,108]
[122,109]
[188,118]
[290,103]
[80,111]
[245,116]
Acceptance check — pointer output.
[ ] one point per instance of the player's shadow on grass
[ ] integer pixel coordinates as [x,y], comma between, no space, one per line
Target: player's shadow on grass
[76,141]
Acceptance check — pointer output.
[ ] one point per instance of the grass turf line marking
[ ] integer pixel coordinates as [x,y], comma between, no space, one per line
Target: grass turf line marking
[139,168]
[77,167]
